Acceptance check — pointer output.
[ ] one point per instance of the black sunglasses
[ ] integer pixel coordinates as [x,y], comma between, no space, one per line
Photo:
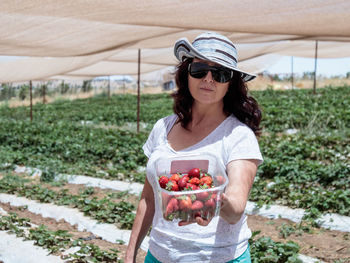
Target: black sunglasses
[199,70]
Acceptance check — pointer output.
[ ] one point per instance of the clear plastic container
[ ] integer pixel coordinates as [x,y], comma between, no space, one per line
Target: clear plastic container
[205,203]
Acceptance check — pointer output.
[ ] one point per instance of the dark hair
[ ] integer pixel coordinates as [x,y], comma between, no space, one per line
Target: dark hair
[236,101]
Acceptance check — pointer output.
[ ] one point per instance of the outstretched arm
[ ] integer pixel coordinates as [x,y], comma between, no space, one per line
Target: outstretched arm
[241,174]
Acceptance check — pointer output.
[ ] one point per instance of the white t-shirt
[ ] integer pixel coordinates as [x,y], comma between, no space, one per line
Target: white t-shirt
[219,241]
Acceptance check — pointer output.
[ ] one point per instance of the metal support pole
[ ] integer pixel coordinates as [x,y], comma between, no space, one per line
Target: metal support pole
[138,90]
[109,87]
[124,86]
[316,48]
[44,93]
[31,100]
[292,73]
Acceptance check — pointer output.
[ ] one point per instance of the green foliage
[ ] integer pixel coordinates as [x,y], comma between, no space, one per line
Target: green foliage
[51,240]
[309,169]
[265,250]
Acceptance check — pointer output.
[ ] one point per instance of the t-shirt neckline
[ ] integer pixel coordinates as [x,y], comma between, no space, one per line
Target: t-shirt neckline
[194,145]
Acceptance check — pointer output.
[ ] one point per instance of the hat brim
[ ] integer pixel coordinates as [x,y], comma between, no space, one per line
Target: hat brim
[184,49]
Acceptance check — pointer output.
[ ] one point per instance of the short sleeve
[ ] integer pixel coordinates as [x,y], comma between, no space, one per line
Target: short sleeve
[243,144]
[152,139]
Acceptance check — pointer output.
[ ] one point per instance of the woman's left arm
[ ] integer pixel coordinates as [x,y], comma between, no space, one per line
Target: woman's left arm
[241,174]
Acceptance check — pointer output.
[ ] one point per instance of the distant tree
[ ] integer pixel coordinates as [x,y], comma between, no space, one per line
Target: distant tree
[308,75]
[86,86]
[276,77]
[64,87]
[23,92]
[7,92]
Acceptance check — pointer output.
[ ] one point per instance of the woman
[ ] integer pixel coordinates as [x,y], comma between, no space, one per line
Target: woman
[213,113]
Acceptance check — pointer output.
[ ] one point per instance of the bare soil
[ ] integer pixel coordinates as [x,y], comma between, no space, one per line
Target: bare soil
[323,244]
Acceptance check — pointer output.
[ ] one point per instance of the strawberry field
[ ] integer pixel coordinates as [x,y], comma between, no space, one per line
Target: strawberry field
[305,143]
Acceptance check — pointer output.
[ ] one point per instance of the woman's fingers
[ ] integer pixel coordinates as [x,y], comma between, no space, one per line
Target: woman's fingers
[201,221]
[224,200]
[185,223]
[198,220]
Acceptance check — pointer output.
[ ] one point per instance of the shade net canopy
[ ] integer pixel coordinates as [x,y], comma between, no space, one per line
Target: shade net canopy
[84,39]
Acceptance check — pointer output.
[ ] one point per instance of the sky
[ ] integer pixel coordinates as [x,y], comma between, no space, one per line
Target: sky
[325,66]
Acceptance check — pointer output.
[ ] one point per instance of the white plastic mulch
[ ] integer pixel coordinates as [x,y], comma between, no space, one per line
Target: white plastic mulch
[307,259]
[108,232]
[329,221]
[132,188]
[15,250]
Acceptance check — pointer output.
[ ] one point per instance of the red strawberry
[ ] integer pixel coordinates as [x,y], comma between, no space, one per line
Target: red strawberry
[175,177]
[197,205]
[220,179]
[165,197]
[172,206]
[191,187]
[206,180]
[172,186]
[195,172]
[185,203]
[202,195]
[163,180]
[183,181]
[210,203]
[194,180]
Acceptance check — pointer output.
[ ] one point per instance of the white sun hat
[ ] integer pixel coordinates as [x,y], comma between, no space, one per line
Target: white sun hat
[213,47]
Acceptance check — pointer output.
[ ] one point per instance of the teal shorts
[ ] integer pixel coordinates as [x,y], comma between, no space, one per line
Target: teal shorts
[244,258]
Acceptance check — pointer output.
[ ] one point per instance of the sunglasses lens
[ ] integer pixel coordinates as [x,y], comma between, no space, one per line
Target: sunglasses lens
[221,76]
[200,70]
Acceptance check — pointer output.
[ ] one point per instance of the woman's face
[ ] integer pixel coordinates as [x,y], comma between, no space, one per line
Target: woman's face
[206,90]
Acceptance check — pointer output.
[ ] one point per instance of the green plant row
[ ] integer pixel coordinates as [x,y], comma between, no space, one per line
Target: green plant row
[314,199]
[81,150]
[303,158]
[282,110]
[117,110]
[73,149]
[301,109]
[57,241]
[103,210]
